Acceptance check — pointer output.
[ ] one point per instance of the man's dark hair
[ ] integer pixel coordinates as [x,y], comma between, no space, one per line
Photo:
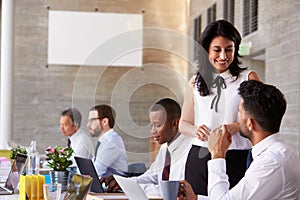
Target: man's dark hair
[105,111]
[171,107]
[264,103]
[74,114]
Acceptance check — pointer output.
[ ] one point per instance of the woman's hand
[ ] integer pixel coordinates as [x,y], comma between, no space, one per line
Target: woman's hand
[233,128]
[202,133]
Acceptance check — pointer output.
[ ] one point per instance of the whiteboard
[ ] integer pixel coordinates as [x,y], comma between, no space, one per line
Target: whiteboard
[95,39]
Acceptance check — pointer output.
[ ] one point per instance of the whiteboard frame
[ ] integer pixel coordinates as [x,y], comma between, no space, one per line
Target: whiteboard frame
[95,39]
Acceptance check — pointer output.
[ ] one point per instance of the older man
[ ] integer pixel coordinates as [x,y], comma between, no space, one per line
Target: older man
[78,140]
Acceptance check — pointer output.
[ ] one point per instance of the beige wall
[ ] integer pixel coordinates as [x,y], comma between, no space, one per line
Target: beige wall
[42,91]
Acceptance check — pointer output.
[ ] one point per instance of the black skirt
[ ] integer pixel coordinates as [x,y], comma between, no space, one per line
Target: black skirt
[196,172]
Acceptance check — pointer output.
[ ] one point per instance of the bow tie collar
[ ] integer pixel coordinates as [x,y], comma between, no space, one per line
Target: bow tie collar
[218,83]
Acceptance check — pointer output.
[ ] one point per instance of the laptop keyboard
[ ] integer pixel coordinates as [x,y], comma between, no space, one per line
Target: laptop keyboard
[3,179]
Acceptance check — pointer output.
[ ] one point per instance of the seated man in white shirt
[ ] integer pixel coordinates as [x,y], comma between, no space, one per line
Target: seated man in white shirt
[164,117]
[110,153]
[275,170]
[78,139]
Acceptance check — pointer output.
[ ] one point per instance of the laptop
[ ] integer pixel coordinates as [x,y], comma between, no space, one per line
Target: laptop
[13,178]
[133,190]
[86,167]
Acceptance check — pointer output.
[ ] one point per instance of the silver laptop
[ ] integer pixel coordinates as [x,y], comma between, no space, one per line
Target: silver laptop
[13,178]
[133,190]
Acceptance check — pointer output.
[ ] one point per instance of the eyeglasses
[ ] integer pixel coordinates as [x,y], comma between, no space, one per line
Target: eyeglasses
[92,119]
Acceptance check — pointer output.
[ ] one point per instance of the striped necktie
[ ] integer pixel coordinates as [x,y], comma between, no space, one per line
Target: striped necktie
[167,166]
[249,159]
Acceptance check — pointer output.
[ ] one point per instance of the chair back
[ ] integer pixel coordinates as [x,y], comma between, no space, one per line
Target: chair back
[136,169]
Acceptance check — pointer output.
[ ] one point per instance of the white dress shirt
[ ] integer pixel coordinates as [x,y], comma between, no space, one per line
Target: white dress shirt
[150,180]
[82,145]
[111,154]
[273,174]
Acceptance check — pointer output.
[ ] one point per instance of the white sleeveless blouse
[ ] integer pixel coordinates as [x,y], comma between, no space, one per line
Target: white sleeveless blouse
[227,108]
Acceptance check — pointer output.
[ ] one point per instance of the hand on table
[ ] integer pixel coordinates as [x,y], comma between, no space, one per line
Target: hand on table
[111,183]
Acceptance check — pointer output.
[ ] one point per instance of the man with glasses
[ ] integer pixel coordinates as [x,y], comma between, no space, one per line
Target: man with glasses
[110,154]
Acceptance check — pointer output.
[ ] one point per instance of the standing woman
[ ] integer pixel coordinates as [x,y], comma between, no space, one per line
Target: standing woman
[212,100]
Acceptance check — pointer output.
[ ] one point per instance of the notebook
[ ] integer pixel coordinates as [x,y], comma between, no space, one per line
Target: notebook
[78,187]
[86,167]
[132,189]
[13,177]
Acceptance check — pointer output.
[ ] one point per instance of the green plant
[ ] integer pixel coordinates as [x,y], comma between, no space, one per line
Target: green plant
[59,157]
[15,150]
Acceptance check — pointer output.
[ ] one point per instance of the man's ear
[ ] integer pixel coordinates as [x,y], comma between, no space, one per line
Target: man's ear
[175,123]
[105,121]
[76,125]
[250,124]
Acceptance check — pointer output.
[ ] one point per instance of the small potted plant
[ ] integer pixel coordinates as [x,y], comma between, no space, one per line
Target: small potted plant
[59,159]
[15,150]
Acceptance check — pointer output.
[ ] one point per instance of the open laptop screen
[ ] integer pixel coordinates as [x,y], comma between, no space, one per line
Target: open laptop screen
[86,167]
[15,172]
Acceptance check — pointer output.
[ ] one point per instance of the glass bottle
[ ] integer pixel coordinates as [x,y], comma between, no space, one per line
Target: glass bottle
[33,165]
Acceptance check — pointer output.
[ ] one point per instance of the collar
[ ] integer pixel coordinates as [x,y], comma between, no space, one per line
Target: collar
[105,135]
[175,143]
[224,75]
[260,147]
[74,136]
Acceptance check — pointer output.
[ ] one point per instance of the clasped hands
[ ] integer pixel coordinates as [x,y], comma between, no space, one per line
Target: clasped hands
[219,141]
[203,132]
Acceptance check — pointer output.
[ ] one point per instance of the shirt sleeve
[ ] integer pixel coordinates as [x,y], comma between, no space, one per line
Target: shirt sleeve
[202,197]
[151,175]
[217,178]
[263,180]
[149,181]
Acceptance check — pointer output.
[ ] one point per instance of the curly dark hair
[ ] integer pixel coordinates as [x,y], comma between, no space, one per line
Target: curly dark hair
[203,80]
[264,103]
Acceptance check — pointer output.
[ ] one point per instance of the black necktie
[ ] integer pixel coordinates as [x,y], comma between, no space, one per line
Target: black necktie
[219,84]
[249,159]
[69,142]
[97,147]
[167,166]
